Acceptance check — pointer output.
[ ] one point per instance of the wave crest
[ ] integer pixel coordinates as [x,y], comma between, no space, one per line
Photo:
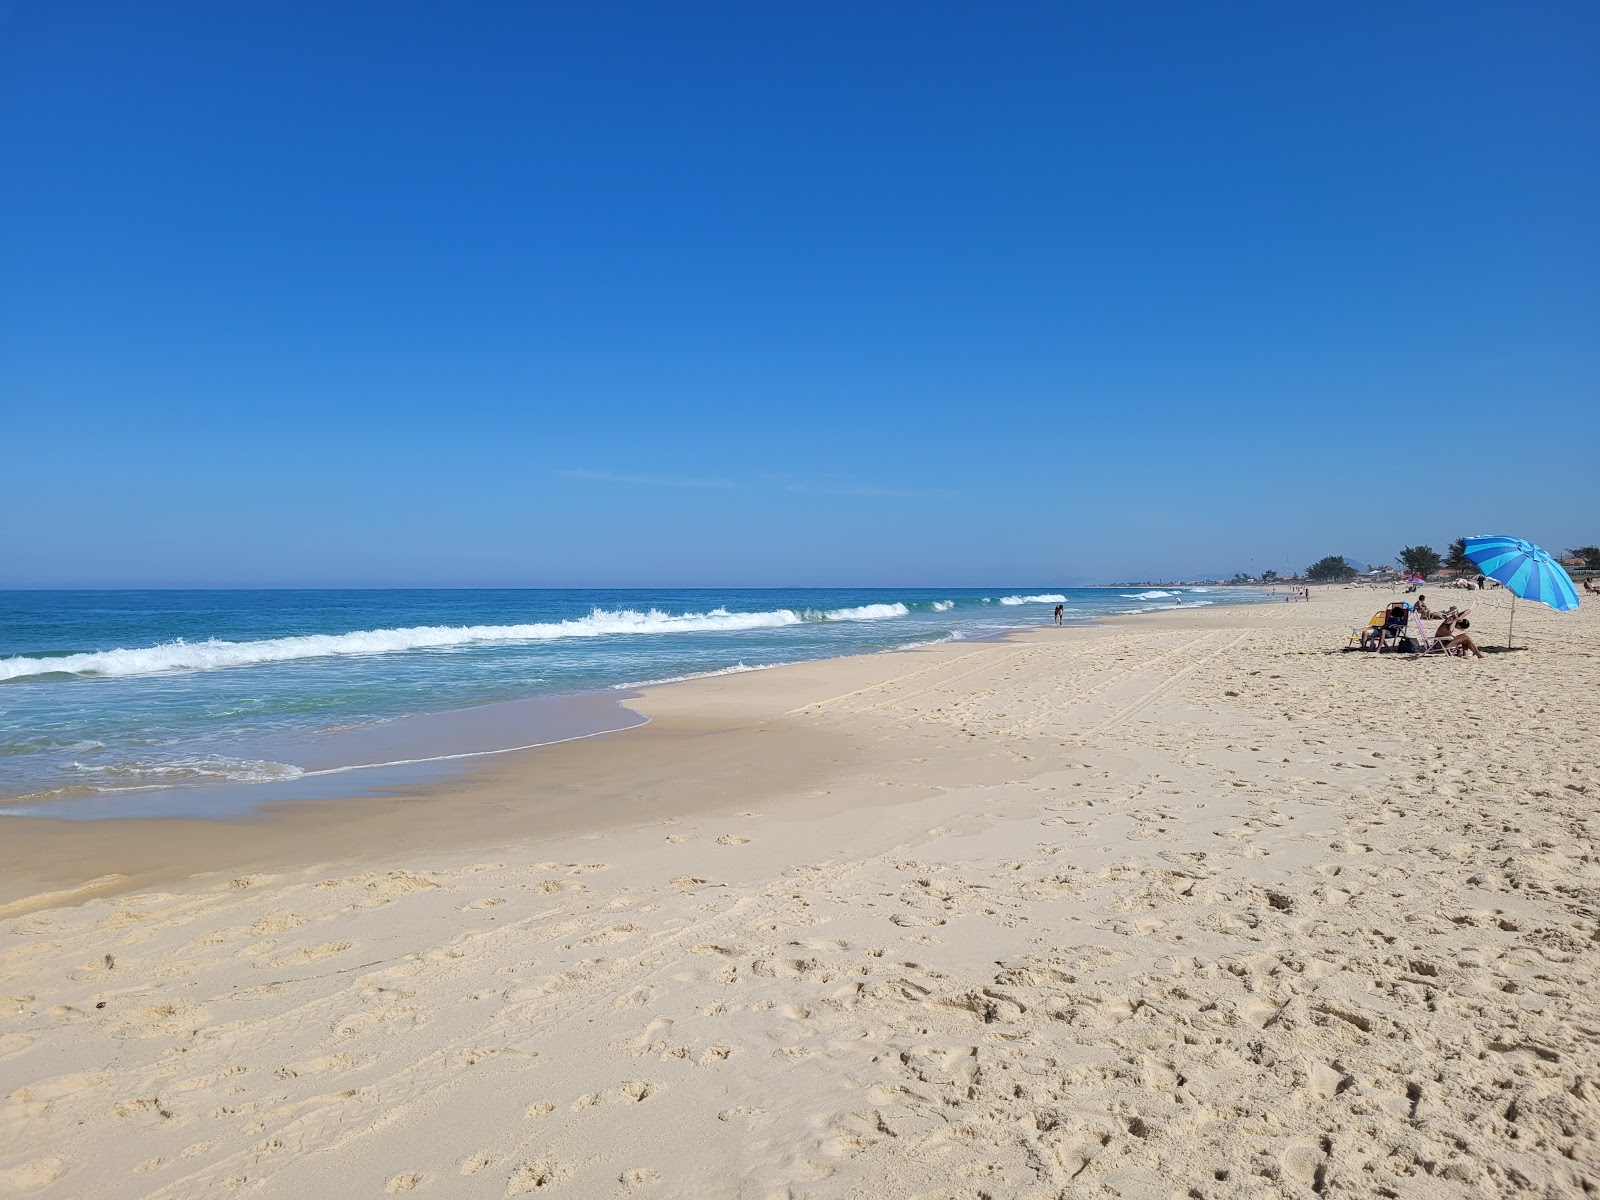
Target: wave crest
[214,654]
[1046,598]
[863,612]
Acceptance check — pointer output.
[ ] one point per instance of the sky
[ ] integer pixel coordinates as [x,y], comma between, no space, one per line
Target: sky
[517,294]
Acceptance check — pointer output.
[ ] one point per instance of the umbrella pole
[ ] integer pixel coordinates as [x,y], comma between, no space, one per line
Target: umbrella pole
[1513,623]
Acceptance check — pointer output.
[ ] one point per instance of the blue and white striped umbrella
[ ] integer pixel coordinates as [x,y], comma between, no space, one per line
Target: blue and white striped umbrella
[1526,569]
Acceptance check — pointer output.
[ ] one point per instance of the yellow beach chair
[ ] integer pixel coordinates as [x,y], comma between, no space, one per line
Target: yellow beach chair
[1362,632]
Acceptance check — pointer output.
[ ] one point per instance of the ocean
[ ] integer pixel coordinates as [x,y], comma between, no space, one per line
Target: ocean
[120,694]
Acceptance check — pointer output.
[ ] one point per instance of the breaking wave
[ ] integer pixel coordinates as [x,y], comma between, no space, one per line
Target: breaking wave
[1151,595]
[865,612]
[1048,598]
[215,654]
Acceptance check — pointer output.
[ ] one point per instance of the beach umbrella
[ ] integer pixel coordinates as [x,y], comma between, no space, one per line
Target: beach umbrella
[1527,571]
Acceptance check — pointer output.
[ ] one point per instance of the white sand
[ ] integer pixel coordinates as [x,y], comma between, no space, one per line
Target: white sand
[1172,908]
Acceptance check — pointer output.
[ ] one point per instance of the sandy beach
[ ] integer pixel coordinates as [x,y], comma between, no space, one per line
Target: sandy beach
[1174,906]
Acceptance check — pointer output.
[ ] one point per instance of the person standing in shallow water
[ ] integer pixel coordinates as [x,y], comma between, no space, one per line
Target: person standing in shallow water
[1060,609]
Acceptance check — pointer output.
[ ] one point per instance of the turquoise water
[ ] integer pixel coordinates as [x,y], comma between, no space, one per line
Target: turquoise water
[108,692]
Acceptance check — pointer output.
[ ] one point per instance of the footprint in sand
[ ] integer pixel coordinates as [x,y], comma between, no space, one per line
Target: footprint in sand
[729,839]
[534,1177]
[610,934]
[34,1174]
[306,954]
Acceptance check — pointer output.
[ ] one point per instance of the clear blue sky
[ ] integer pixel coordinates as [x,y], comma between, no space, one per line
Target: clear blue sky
[610,294]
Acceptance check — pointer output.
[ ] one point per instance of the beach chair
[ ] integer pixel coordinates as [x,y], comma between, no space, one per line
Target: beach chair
[1395,623]
[1372,629]
[1427,643]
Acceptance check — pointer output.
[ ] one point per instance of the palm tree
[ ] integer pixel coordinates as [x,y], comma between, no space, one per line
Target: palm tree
[1590,556]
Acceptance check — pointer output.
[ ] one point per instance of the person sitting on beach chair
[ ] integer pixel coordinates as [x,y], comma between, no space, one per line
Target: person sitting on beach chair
[1370,632]
[1396,617]
[1451,638]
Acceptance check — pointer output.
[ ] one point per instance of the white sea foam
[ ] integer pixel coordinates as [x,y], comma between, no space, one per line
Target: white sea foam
[192,769]
[1166,607]
[737,669]
[214,654]
[1047,598]
[954,635]
[1151,595]
[942,605]
[865,612]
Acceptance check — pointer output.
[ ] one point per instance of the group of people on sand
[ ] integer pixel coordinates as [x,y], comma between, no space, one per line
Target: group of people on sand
[1450,634]
[1481,582]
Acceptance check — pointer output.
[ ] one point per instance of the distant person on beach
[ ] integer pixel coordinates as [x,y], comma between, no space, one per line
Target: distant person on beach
[1480,583]
[1060,609]
[1424,612]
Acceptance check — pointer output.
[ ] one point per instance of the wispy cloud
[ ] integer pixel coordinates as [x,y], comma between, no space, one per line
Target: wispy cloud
[646,480]
[863,489]
[781,483]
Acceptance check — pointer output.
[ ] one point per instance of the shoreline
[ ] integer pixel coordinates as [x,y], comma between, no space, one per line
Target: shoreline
[457,735]
[414,804]
[435,739]
[284,764]
[148,848]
